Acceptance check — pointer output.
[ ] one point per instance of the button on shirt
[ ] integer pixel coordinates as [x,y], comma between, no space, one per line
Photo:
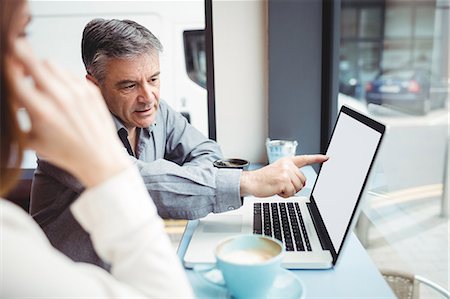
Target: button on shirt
[175,162]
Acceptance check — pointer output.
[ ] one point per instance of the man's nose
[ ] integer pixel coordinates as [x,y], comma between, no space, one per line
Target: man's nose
[147,93]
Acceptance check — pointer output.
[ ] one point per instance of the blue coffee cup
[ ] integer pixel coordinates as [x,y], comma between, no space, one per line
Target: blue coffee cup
[248,264]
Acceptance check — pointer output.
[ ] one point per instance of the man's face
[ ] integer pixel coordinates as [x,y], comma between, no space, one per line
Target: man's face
[131,89]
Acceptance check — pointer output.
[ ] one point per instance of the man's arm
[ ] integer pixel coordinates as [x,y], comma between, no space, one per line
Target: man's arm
[190,192]
[183,181]
[184,144]
[186,185]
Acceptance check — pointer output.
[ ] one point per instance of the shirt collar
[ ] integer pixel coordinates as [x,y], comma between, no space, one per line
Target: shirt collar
[119,125]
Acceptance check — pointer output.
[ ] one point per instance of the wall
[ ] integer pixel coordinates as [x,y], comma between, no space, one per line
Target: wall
[56,31]
[240,65]
[295,65]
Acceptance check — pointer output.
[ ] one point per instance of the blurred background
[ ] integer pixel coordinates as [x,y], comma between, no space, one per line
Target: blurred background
[273,64]
[393,66]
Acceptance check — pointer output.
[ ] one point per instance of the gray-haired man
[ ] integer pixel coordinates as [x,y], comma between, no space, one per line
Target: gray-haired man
[175,160]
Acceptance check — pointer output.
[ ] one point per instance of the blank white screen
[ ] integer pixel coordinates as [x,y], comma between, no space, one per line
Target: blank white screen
[341,178]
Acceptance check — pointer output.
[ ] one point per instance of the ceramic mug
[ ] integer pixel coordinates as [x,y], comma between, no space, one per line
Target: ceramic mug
[248,264]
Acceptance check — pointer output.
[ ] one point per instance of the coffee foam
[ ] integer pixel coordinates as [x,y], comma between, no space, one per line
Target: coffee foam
[247,256]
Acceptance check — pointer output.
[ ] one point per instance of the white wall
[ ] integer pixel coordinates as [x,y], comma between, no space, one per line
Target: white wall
[241,77]
[241,61]
[57,26]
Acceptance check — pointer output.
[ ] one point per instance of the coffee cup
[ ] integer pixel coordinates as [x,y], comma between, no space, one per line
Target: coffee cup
[232,163]
[277,149]
[248,264]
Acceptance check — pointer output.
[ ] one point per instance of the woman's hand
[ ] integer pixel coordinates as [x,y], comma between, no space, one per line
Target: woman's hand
[70,124]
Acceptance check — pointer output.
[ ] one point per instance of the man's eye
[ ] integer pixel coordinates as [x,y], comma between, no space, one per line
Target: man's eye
[127,87]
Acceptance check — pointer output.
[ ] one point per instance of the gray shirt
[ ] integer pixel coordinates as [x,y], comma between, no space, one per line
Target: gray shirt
[175,161]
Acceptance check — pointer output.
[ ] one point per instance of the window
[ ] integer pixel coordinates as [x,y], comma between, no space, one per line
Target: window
[194,50]
[397,52]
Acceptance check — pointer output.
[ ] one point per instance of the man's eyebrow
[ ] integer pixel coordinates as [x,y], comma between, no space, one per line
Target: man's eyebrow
[129,81]
[156,74]
[125,82]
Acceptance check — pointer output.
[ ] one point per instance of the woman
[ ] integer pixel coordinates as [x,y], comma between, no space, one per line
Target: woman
[68,122]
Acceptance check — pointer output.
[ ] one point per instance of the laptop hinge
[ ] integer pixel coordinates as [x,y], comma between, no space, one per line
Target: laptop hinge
[324,238]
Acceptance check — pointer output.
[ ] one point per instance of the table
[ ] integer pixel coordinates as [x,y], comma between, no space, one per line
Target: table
[354,276]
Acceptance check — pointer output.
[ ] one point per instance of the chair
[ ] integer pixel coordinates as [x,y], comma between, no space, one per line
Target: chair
[407,285]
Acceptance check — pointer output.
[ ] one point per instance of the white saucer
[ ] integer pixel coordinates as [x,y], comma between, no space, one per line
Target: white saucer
[286,285]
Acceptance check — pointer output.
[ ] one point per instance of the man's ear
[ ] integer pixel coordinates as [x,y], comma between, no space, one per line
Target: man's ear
[92,79]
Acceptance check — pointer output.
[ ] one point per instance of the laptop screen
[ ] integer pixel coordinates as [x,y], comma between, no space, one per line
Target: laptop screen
[341,180]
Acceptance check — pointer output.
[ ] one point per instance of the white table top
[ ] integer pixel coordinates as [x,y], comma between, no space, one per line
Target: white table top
[354,276]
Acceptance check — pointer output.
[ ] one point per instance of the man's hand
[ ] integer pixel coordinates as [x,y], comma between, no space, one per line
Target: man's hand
[282,177]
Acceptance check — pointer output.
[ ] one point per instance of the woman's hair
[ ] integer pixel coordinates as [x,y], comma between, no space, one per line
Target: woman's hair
[12,139]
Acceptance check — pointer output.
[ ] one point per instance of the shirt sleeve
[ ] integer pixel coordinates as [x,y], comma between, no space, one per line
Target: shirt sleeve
[125,231]
[190,192]
[185,184]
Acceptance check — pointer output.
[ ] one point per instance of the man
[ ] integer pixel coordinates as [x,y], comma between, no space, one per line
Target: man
[174,159]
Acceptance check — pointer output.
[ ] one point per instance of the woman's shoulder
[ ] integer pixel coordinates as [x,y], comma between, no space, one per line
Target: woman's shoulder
[16,221]
[11,210]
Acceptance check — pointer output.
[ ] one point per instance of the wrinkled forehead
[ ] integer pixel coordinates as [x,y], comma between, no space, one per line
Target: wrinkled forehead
[144,65]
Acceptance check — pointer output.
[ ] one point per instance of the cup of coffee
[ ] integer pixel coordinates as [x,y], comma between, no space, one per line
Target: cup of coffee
[232,163]
[277,149]
[248,264]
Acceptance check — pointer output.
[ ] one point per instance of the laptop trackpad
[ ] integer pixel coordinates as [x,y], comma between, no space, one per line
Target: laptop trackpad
[223,224]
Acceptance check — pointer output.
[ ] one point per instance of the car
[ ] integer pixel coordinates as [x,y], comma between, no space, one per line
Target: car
[412,90]
[349,84]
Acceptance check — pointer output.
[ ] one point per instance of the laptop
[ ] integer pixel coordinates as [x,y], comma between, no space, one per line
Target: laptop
[314,229]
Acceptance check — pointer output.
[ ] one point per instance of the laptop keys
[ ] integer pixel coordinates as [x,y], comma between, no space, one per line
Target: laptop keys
[286,228]
[277,233]
[295,228]
[302,223]
[257,221]
[267,221]
[282,221]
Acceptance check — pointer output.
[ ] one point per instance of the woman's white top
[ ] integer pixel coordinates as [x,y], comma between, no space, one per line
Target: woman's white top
[126,232]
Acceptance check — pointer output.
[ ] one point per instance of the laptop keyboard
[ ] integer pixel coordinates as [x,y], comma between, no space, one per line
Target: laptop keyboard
[282,221]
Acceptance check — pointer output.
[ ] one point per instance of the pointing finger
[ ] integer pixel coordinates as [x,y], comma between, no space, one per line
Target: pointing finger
[303,160]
